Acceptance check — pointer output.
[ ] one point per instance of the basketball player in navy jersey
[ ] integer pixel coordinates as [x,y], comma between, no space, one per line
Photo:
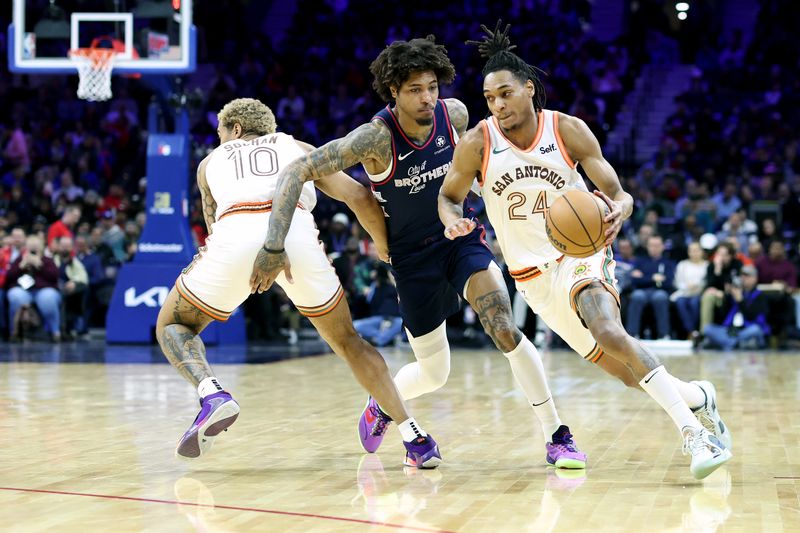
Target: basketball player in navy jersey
[575,297]
[407,149]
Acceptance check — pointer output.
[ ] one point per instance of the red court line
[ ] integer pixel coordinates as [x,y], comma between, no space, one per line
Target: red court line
[230,507]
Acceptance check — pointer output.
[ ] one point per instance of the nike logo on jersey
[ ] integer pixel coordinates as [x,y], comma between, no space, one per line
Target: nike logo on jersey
[496,151]
[403,156]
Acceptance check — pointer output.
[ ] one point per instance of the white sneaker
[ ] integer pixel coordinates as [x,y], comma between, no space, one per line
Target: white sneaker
[709,416]
[706,450]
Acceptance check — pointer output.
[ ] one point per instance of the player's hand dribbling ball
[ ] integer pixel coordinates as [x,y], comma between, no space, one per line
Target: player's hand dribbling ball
[575,223]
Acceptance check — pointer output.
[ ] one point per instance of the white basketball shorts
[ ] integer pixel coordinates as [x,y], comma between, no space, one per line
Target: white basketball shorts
[218,279]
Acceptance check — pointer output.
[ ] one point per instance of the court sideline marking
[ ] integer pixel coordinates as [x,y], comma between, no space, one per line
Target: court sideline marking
[229,507]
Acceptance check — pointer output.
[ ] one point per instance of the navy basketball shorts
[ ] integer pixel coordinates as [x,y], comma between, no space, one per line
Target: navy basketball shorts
[430,282]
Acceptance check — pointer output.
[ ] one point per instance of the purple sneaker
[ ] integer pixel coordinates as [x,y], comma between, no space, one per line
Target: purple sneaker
[562,452]
[217,412]
[372,426]
[422,452]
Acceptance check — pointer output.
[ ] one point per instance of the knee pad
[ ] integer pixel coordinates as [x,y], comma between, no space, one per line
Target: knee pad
[433,355]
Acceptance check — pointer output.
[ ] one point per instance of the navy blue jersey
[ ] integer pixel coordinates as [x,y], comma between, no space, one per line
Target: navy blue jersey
[408,190]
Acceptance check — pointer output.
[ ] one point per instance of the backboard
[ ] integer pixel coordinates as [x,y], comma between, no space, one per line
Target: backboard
[152,36]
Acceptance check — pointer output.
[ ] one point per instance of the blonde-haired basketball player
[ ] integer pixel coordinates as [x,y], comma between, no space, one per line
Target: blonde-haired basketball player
[237,185]
[524,157]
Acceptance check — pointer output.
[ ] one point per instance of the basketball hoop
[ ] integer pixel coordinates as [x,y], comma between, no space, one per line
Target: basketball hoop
[94,70]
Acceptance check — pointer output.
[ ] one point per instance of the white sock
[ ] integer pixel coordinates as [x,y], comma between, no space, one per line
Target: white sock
[528,370]
[410,430]
[429,372]
[660,385]
[692,394]
[208,386]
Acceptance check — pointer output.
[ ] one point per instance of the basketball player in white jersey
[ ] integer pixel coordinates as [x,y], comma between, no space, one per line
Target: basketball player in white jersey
[524,157]
[237,185]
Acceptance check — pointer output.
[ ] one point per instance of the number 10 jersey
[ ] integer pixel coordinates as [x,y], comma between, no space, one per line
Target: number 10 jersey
[243,175]
[518,186]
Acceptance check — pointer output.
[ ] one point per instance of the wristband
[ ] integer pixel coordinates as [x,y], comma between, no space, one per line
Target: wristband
[271,251]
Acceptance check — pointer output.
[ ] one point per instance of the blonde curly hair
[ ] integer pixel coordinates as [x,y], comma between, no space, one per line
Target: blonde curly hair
[253,116]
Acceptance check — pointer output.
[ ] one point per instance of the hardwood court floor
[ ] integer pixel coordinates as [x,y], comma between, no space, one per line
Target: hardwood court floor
[88,447]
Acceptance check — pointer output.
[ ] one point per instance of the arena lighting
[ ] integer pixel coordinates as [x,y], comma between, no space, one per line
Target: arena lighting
[682,15]
[682,6]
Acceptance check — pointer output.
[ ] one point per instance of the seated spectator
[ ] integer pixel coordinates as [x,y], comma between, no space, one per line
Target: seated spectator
[755,251]
[348,269]
[690,280]
[65,226]
[8,254]
[33,278]
[337,235]
[743,315]
[74,282]
[67,190]
[113,236]
[639,240]
[625,260]
[727,202]
[721,271]
[737,251]
[652,281]
[734,228]
[767,233]
[99,291]
[384,322]
[776,270]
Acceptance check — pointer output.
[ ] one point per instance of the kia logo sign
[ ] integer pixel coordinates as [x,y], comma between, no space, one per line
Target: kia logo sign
[152,297]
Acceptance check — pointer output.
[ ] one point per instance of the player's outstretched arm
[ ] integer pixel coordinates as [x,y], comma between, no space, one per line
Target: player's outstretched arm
[360,200]
[209,204]
[583,147]
[467,164]
[369,141]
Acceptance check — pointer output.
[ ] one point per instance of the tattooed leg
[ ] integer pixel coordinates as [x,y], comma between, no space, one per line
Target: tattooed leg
[489,298]
[600,312]
[178,333]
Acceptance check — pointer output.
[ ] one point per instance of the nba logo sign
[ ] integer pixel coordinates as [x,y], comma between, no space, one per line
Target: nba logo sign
[440,141]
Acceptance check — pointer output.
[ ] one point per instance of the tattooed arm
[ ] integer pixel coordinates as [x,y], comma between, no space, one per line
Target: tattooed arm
[467,164]
[459,116]
[209,204]
[360,200]
[370,144]
[583,147]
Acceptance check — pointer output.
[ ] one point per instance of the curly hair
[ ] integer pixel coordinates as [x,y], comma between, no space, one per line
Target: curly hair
[252,115]
[395,64]
[496,48]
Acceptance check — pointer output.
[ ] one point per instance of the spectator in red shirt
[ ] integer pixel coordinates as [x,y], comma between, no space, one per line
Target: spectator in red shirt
[64,226]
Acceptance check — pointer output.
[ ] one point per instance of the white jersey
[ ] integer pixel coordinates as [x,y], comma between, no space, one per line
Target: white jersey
[243,175]
[520,185]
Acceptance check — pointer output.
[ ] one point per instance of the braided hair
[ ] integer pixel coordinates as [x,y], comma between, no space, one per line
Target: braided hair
[496,48]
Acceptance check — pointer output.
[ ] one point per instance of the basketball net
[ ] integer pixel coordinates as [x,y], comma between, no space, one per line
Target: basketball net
[94,71]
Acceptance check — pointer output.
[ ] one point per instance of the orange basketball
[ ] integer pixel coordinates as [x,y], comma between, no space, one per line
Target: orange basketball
[575,223]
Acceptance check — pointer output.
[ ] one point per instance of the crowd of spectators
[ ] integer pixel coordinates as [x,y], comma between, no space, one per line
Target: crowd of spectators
[719,197]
